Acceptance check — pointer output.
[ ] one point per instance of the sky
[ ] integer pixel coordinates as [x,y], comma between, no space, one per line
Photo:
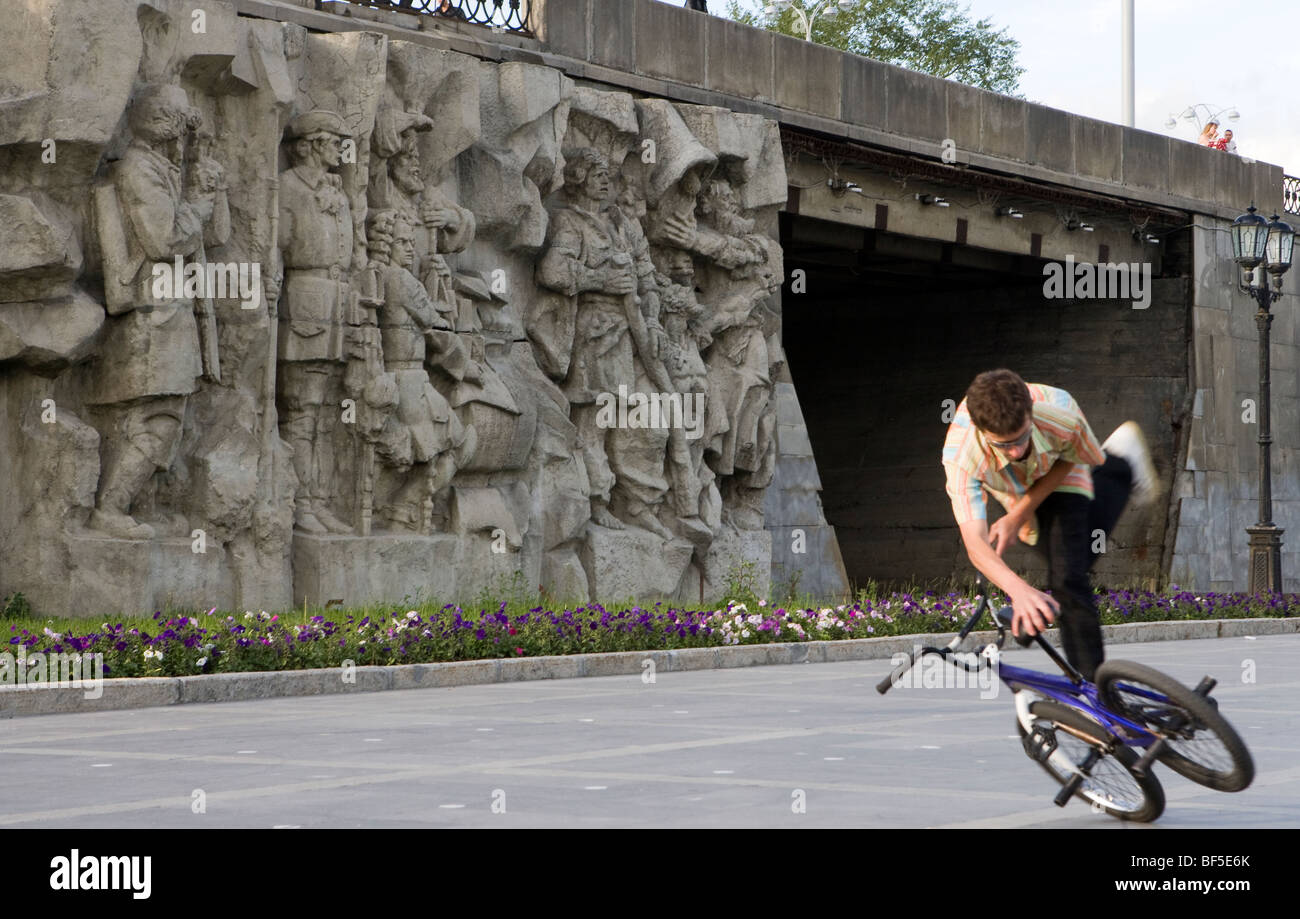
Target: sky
[1186,51]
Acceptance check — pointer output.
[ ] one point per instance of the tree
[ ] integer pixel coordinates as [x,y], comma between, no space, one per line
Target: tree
[930,36]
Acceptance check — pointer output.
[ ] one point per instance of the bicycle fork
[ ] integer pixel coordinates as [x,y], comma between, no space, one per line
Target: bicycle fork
[1040,745]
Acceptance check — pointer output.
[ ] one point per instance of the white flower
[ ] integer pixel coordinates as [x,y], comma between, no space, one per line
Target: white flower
[148,653]
[157,655]
[104,626]
[762,603]
[248,615]
[744,633]
[209,646]
[200,662]
[194,622]
[264,614]
[412,615]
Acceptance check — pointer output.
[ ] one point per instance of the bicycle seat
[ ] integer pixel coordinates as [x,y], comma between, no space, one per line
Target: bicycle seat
[1004,615]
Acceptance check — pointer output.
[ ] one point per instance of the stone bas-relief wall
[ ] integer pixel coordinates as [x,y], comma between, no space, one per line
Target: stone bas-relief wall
[293,317]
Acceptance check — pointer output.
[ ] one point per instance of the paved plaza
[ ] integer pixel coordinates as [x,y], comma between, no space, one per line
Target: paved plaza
[723,748]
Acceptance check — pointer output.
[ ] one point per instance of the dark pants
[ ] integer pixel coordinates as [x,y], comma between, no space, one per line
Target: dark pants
[1066,523]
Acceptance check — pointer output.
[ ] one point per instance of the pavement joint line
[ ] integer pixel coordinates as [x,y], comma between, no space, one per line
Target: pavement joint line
[148,692]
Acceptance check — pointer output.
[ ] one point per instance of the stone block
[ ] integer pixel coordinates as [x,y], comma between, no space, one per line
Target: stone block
[455,673]
[50,333]
[1268,190]
[1146,159]
[617,663]
[792,440]
[106,576]
[817,570]
[916,105]
[725,560]
[740,59]
[807,76]
[1098,149]
[557,667]
[614,34]
[787,404]
[632,564]
[863,92]
[1050,137]
[755,655]
[964,116]
[382,568]
[1193,170]
[1003,126]
[669,42]
[1233,182]
[563,28]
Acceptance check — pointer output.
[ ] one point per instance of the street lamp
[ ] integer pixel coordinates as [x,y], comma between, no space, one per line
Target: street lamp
[1193,113]
[1257,242]
[828,9]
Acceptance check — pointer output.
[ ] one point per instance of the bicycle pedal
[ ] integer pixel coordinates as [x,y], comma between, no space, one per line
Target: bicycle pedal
[1040,743]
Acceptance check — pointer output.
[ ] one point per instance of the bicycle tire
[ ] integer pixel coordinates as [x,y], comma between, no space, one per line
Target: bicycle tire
[1193,758]
[1100,787]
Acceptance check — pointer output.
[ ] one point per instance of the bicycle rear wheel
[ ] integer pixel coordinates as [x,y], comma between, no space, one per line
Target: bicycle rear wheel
[1199,743]
[1111,785]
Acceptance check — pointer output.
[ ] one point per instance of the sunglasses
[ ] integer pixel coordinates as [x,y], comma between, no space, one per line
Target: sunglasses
[1012,444]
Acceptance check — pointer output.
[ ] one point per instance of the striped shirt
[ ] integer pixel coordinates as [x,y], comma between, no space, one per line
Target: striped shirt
[1058,431]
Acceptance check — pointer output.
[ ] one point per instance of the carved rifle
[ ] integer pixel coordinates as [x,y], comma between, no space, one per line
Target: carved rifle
[204,312]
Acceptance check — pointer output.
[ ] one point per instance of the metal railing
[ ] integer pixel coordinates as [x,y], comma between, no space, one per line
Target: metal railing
[510,15]
[1291,194]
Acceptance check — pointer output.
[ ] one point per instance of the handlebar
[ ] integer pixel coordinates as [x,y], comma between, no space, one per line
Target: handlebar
[888,682]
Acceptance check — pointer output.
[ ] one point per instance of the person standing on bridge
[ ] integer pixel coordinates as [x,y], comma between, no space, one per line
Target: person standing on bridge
[1209,134]
[1031,447]
[1225,143]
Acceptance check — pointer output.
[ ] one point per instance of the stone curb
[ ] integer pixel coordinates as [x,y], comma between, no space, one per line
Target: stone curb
[147,692]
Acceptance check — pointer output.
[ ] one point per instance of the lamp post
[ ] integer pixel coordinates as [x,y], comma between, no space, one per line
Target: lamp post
[1257,242]
[828,8]
[1193,113]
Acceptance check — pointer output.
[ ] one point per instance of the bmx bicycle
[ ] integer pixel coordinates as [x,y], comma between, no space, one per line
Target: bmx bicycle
[1099,740]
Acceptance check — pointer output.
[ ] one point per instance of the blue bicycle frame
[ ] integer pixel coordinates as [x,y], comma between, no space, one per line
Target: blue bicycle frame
[1071,689]
[1081,696]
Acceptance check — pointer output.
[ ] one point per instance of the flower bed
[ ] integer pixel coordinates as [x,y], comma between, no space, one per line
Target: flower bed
[213,642]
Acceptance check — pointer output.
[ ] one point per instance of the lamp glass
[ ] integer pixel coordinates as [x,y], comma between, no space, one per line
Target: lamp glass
[1278,246]
[1249,235]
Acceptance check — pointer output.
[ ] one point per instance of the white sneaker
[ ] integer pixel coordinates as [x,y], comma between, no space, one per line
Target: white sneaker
[1128,443]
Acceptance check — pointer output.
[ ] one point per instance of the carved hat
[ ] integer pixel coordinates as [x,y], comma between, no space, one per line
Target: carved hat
[316,121]
[678,151]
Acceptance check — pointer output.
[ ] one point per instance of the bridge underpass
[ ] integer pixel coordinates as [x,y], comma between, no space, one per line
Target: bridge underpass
[889,332]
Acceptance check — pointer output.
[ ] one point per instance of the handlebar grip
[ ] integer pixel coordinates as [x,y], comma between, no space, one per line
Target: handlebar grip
[888,682]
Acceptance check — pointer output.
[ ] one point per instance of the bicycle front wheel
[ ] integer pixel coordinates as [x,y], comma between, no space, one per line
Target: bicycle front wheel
[1199,743]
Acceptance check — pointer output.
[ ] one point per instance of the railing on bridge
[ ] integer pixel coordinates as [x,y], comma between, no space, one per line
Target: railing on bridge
[1291,194]
[511,15]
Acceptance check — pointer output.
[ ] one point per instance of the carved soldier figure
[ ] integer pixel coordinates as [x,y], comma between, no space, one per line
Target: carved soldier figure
[686,334]
[440,225]
[588,259]
[152,212]
[423,442]
[321,247]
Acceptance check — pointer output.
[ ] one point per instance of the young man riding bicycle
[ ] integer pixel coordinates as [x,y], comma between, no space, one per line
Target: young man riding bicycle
[1030,446]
